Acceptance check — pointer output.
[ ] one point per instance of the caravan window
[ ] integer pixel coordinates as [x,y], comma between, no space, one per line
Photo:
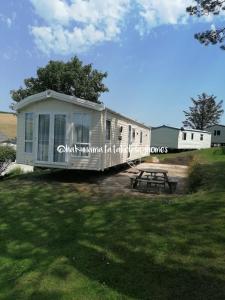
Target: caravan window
[59,136]
[82,123]
[108,130]
[133,135]
[184,137]
[43,137]
[217,132]
[141,137]
[29,132]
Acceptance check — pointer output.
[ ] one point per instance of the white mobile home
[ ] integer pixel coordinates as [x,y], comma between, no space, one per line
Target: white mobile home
[218,135]
[59,131]
[180,138]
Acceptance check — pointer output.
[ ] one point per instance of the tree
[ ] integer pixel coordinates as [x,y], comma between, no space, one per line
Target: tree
[71,78]
[207,7]
[204,112]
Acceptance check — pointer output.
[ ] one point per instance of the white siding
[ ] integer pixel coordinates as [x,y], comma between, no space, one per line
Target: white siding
[95,161]
[196,143]
[51,106]
[173,138]
[137,150]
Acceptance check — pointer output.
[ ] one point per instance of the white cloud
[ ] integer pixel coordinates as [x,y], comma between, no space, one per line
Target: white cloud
[154,13]
[72,26]
[52,10]
[6,20]
[76,26]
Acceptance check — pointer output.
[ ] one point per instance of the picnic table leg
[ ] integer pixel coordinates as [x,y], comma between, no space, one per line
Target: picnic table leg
[136,181]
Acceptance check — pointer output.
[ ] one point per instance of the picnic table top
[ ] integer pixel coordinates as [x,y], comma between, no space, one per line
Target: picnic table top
[148,170]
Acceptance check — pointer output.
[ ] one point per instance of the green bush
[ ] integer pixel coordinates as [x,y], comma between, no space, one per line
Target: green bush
[195,177]
[7,153]
[219,151]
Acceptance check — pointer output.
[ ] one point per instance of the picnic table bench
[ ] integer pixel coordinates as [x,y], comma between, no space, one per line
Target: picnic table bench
[153,179]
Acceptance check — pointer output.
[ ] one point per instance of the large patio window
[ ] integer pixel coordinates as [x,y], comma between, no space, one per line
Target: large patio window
[59,137]
[82,123]
[29,118]
[43,137]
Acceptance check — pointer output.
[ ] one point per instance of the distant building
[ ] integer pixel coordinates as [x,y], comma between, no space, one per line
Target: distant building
[218,135]
[180,138]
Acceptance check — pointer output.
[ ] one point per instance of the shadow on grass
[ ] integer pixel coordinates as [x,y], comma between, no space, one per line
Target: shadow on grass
[60,245]
[71,176]
[207,176]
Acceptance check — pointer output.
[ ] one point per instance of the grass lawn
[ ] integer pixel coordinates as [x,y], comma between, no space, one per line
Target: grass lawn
[59,242]
[203,156]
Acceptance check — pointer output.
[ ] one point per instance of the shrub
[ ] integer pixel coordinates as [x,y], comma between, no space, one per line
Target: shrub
[7,153]
[195,176]
[219,151]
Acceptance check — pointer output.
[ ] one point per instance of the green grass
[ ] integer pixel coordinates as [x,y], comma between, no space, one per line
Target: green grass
[57,243]
[63,240]
[204,156]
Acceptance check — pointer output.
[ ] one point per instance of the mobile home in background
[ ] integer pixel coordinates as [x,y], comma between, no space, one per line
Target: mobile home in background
[180,138]
[218,135]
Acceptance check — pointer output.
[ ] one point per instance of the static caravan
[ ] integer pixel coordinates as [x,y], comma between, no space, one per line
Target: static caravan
[218,135]
[55,130]
[180,138]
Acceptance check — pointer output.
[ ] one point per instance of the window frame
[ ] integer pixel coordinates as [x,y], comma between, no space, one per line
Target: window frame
[31,141]
[55,115]
[49,152]
[201,137]
[108,133]
[184,136]
[141,137]
[75,143]
[133,134]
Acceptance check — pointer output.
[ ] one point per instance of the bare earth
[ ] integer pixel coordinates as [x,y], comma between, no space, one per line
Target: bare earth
[8,125]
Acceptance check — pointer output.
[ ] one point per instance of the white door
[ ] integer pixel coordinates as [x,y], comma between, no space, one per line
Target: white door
[59,137]
[43,137]
[51,134]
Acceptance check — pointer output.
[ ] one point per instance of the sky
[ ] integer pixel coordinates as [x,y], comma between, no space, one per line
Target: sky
[154,64]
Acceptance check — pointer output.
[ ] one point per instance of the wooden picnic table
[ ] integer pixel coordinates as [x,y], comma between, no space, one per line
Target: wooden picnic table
[153,172]
[155,178]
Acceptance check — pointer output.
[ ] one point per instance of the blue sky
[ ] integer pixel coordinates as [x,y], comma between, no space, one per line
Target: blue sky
[147,47]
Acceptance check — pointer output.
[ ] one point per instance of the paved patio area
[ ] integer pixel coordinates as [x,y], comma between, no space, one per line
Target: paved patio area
[120,182]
